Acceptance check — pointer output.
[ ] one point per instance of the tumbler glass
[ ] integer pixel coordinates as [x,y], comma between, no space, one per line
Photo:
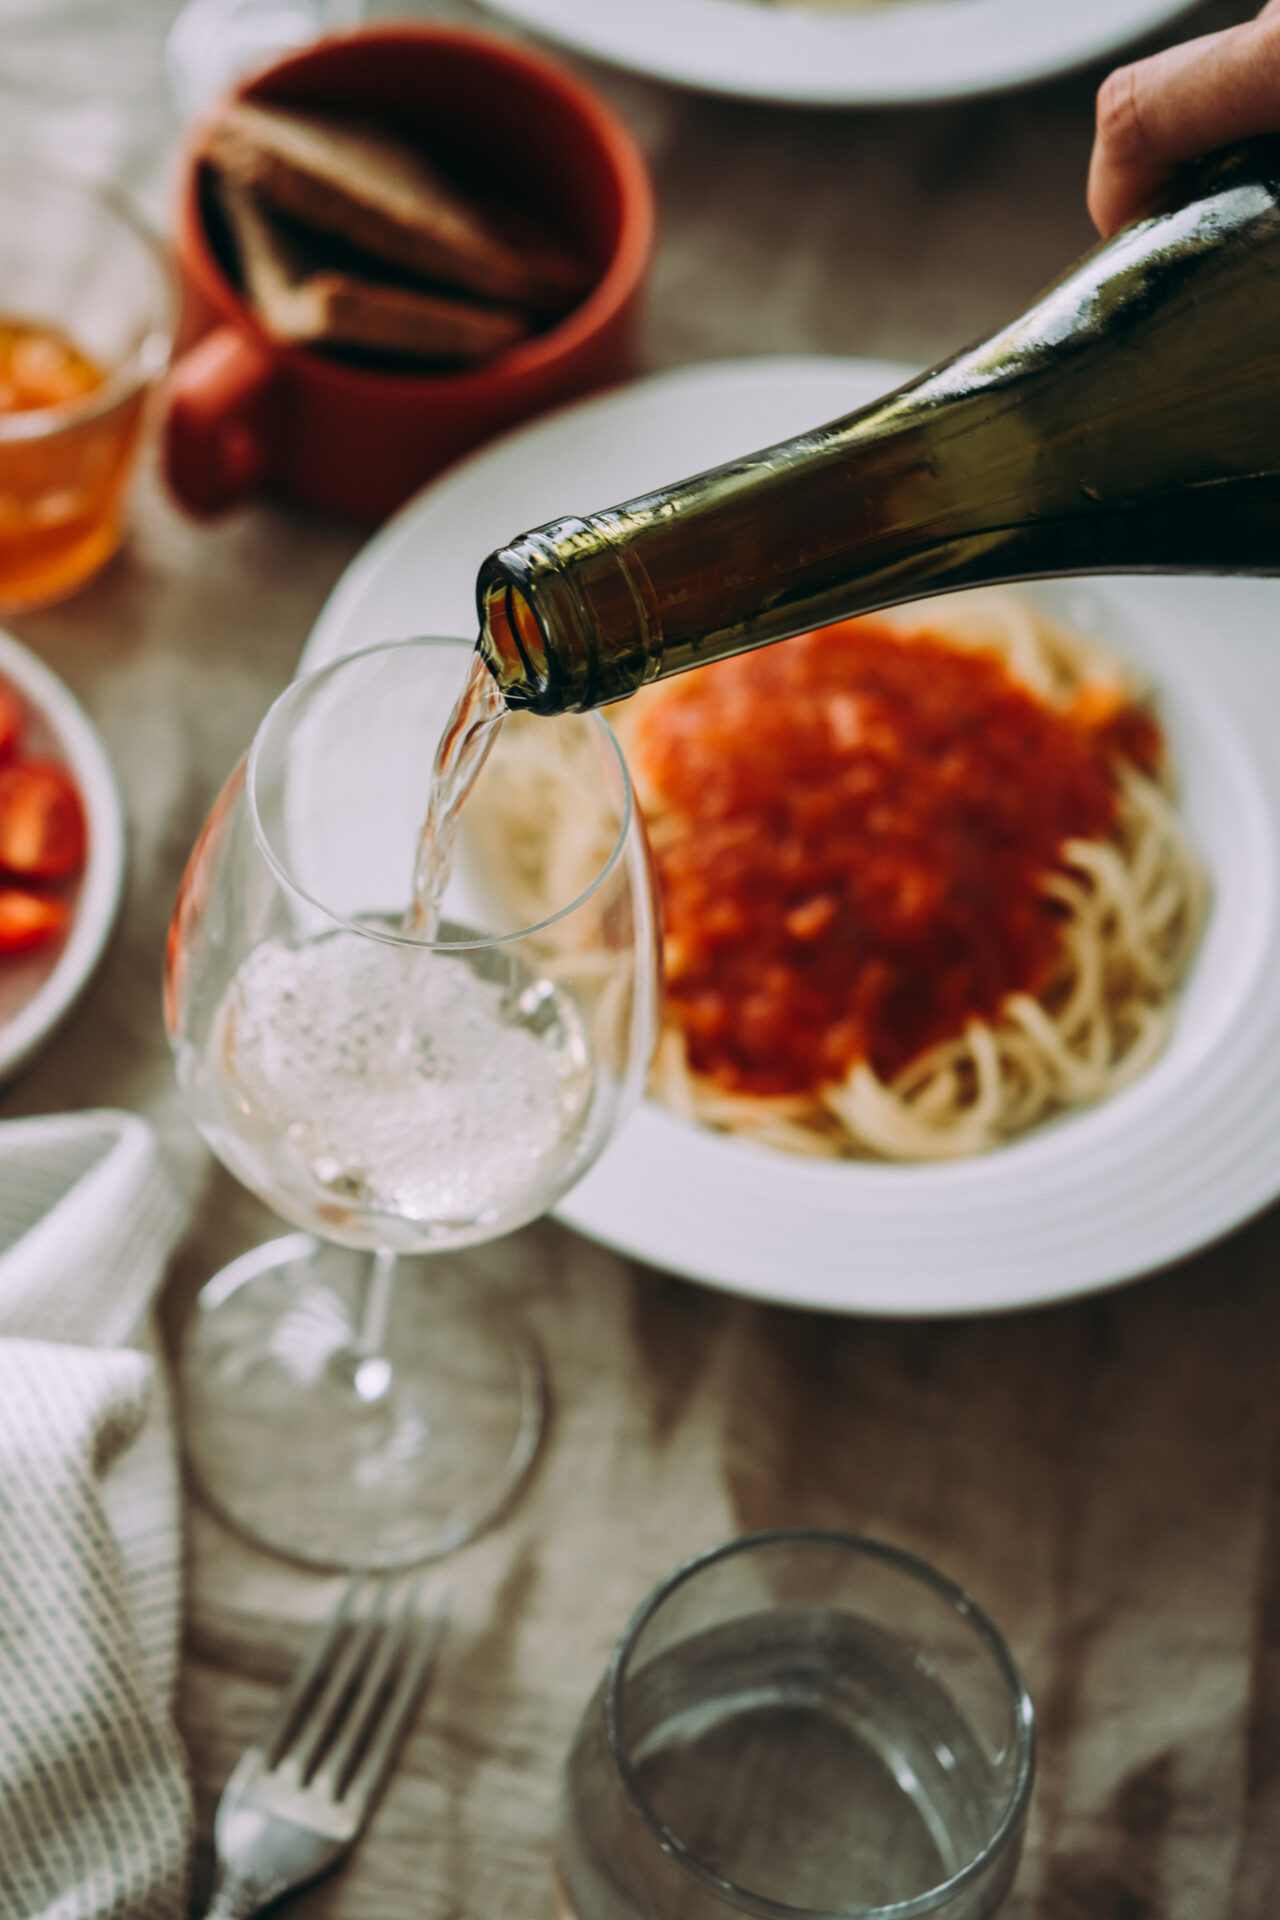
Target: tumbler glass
[801,1726]
[86,324]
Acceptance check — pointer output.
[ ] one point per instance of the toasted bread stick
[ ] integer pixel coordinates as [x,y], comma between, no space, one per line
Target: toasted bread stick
[303,302]
[348,177]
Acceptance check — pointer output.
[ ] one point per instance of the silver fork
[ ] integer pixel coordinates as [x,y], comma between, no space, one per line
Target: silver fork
[299,1798]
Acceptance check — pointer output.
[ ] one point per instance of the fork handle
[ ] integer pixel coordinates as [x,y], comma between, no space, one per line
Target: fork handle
[235,1899]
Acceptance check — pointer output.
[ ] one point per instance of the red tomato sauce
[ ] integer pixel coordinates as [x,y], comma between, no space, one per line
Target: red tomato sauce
[853,832]
[43,838]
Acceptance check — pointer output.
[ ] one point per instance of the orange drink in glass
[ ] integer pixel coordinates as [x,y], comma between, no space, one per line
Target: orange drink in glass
[86,323]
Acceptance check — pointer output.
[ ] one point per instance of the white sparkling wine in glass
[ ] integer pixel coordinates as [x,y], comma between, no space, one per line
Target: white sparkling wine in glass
[398,1098]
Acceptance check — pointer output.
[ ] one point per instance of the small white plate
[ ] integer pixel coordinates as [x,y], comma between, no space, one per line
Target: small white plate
[896,52]
[1171,1163]
[38,989]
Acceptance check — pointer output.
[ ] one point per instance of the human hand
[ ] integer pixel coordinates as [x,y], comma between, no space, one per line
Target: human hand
[1177,105]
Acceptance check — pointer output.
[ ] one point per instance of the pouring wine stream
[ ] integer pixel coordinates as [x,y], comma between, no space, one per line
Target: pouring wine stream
[466,743]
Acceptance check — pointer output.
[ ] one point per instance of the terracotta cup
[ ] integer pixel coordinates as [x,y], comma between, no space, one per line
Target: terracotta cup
[245,415]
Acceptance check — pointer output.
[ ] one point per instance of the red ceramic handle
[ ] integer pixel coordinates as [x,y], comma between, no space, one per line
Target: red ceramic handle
[215,436]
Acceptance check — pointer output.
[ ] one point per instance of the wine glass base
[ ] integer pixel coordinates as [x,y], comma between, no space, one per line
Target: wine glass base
[341,1463]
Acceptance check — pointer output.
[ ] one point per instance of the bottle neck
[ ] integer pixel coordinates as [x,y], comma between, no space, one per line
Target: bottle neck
[1129,420]
[546,601]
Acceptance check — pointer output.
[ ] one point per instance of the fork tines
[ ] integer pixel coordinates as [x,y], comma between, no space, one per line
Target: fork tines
[343,1716]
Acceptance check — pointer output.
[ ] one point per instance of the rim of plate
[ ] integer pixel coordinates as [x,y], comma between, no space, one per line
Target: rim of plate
[1099,1196]
[98,902]
[891,53]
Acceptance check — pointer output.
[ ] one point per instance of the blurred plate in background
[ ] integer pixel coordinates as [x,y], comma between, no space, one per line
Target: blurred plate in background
[896,51]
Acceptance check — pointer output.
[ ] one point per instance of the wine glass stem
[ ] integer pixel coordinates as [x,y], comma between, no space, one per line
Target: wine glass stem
[370,1366]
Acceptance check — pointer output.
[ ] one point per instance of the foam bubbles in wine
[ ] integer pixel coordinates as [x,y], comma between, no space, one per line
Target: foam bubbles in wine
[384,1084]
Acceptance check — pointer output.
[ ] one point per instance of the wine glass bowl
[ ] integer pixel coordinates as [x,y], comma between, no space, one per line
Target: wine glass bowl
[396,1088]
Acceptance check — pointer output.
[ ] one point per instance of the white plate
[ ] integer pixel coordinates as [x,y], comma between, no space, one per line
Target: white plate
[901,51]
[1174,1161]
[38,989]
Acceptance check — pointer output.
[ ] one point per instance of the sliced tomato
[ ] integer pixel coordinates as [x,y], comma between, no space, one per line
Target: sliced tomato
[10,720]
[42,826]
[29,919]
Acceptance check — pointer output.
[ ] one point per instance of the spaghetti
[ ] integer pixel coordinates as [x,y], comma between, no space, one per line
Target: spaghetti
[923,884]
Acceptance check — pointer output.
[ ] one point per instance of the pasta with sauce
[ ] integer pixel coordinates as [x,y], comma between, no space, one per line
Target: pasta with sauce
[923,883]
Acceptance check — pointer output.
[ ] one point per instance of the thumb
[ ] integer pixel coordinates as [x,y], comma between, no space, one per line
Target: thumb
[1182,103]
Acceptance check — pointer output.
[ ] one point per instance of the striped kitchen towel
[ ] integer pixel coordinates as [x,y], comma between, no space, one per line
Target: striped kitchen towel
[94,1798]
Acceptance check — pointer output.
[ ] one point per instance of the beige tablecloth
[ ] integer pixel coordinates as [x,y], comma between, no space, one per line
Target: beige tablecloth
[1103,1475]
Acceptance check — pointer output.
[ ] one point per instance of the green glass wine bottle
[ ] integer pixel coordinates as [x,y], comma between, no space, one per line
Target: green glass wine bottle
[1128,421]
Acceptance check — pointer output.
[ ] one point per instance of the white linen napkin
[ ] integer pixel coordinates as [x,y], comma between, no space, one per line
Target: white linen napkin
[95,1817]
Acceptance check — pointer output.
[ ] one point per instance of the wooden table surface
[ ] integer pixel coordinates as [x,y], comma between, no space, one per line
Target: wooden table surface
[1103,1476]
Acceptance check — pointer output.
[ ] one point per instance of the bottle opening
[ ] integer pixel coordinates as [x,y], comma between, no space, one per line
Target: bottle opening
[512,643]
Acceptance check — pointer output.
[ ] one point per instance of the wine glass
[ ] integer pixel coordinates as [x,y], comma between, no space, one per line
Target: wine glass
[214,43]
[396,1089]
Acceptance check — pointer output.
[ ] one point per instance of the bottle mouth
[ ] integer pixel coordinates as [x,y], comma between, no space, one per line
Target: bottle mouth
[568,618]
[512,643]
